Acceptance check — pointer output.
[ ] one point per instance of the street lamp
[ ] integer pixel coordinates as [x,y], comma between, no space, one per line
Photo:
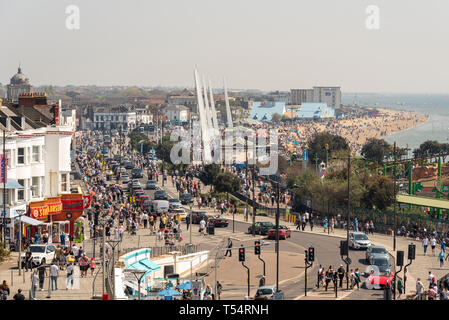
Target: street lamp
[20,212]
[139,274]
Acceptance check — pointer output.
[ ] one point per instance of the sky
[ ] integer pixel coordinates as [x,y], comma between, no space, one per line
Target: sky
[255,44]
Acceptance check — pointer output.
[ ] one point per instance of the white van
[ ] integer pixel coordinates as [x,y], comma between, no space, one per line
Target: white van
[161,206]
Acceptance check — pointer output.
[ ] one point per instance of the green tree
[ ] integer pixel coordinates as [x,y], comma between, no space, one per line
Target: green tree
[376,150]
[209,174]
[317,145]
[379,192]
[164,147]
[227,182]
[426,149]
[276,117]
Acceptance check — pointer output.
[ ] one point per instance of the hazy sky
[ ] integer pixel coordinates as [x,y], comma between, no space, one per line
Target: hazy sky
[255,44]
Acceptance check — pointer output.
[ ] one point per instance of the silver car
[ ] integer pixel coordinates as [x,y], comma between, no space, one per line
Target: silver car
[375,252]
[359,240]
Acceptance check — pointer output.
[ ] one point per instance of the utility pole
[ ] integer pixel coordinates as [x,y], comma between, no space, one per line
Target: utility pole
[394,192]
[4,170]
[254,184]
[348,218]
[277,239]
[246,175]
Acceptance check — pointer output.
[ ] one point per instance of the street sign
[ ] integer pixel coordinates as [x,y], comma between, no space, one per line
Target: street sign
[5,220]
[348,260]
[129,276]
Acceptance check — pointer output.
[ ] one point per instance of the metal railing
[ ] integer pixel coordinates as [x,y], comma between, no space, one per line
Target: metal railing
[157,251]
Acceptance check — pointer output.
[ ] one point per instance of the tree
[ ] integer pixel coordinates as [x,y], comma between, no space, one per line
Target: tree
[209,174]
[376,150]
[379,192]
[227,182]
[427,149]
[163,149]
[317,145]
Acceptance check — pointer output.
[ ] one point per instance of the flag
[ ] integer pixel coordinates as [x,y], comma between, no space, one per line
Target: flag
[4,168]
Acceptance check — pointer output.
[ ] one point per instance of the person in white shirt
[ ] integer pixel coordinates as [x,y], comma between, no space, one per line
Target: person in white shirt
[54,276]
[75,250]
[202,226]
[425,243]
[419,286]
[431,277]
[70,270]
[433,242]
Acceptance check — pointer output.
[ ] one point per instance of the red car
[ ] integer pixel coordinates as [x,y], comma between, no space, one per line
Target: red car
[379,280]
[284,233]
[143,198]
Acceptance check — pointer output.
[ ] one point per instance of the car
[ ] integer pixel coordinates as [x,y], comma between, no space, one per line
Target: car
[41,254]
[160,195]
[160,206]
[174,203]
[379,280]
[381,264]
[375,251]
[128,165]
[266,293]
[137,173]
[124,177]
[186,198]
[138,193]
[284,233]
[219,221]
[181,212]
[105,150]
[123,161]
[261,227]
[143,198]
[197,216]
[359,240]
[151,185]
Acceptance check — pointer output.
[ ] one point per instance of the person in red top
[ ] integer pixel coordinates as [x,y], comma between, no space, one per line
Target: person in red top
[92,265]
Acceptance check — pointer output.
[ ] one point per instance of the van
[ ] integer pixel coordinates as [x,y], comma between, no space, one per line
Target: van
[161,206]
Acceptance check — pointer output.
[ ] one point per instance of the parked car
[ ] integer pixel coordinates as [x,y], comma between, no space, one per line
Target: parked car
[359,240]
[186,198]
[197,216]
[151,185]
[261,227]
[375,251]
[266,293]
[379,264]
[160,195]
[41,253]
[174,203]
[219,221]
[284,233]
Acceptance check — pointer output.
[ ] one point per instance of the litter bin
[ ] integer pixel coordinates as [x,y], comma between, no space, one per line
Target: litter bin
[211,229]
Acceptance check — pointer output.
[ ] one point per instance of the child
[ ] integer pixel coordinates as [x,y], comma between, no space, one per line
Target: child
[92,265]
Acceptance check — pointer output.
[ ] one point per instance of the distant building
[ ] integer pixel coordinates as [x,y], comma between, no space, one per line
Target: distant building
[263,111]
[19,84]
[175,113]
[312,110]
[120,118]
[329,95]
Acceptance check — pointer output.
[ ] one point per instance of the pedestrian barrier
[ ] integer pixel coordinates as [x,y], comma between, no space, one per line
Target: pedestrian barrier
[290,218]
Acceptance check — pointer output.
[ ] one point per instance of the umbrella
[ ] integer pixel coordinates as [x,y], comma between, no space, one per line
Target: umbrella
[185,286]
[168,292]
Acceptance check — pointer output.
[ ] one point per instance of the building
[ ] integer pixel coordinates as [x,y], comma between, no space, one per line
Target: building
[38,172]
[329,95]
[264,111]
[114,118]
[19,84]
[312,110]
[177,113]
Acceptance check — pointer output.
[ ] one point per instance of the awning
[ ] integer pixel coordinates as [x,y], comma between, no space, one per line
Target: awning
[12,184]
[31,221]
[145,265]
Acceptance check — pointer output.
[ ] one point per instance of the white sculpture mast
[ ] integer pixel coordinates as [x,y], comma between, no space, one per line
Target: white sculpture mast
[203,124]
[228,108]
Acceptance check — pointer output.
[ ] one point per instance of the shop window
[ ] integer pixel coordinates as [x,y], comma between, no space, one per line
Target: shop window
[35,153]
[8,157]
[21,155]
[63,182]
[35,187]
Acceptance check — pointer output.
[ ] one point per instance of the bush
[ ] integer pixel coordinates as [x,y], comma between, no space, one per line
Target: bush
[261,213]
[4,254]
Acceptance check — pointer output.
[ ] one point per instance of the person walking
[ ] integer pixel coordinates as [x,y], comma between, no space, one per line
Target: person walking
[341,275]
[400,287]
[329,275]
[5,291]
[419,286]
[229,246]
[324,224]
[433,242]
[188,221]
[311,222]
[34,283]
[19,296]
[357,278]
[70,271]
[54,276]
[219,290]
[262,281]
[425,243]
[371,227]
[356,225]
[202,226]
[319,276]
[441,255]
[42,273]
[28,260]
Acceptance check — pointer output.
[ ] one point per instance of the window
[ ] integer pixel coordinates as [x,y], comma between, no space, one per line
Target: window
[35,153]
[8,158]
[21,155]
[28,153]
[35,187]
[21,192]
[63,182]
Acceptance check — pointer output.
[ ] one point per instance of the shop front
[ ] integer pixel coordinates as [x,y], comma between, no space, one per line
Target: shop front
[44,211]
[13,227]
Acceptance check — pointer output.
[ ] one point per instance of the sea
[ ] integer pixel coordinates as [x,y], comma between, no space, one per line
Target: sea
[436,106]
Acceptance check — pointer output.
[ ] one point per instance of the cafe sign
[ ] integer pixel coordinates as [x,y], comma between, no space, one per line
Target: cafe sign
[72,202]
[44,208]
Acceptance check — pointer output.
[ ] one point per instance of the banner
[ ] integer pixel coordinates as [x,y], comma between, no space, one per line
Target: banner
[87,201]
[42,209]
[72,202]
[78,233]
[4,168]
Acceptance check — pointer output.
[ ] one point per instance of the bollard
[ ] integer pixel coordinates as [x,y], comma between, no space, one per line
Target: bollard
[12,278]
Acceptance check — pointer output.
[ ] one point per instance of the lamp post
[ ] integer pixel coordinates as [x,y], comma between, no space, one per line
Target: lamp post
[139,274]
[394,193]
[348,219]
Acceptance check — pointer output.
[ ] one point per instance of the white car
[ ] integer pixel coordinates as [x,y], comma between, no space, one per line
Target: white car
[359,240]
[40,253]
[181,212]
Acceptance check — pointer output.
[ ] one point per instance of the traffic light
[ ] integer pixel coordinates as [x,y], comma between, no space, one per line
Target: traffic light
[306,255]
[241,254]
[399,258]
[343,248]
[411,251]
[311,254]
[257,247]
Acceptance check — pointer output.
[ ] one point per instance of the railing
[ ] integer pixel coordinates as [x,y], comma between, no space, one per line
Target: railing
[162,250]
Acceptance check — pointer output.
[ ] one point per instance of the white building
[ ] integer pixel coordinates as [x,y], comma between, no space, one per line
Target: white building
[177,113]
[329,95]
[114,120]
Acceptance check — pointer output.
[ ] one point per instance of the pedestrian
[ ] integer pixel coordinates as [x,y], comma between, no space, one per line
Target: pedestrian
[357,278]
[188,221]
[219,290]
[303,222]
[329,275]
[419,286]
[352,278]
[54,276]
[229,246]
[324,224]
[84,265]
[443,246]
[5,292]
[42,273]
[356,225]
[202,226]
[92,265]
[431,294]
[28,260]
[311,222]
[262,281]
[341,275]
[433,242]
[371,227]
[441,255]
[425,243]
[400,287]
[19,295]
[62,238]
[34,283]
[70,271]
[431,278]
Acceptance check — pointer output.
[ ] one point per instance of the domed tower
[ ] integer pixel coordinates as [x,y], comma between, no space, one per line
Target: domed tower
[19,84]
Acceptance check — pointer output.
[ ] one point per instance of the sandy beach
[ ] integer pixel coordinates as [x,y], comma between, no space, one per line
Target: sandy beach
[356,130]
